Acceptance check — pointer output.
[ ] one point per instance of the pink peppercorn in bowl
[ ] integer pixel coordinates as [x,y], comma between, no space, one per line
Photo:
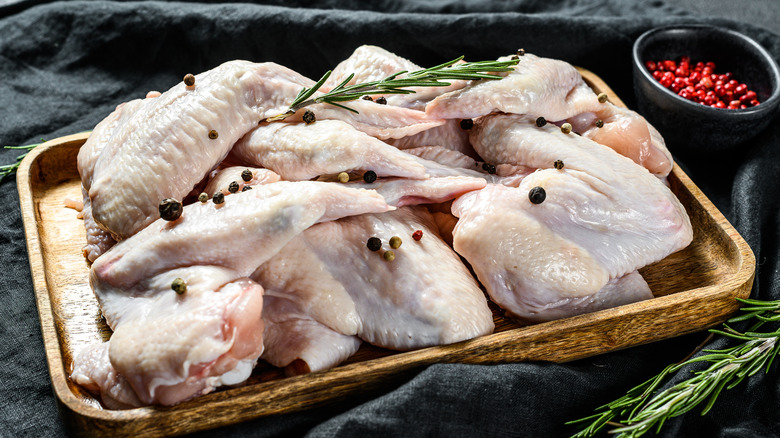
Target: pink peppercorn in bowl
[728,89]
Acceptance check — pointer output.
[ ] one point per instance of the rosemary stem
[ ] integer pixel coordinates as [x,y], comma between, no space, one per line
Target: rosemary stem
[397,83]
[634,415]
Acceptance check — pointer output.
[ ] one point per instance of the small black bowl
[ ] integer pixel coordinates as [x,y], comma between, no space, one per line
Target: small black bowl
[689,126]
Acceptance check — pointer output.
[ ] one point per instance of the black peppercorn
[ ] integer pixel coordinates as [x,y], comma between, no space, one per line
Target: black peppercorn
[374,243]
[246,175]
[246,188]
[541,121]
[308,117]
[558,164]
[466,124]
[367,97]
[233,187]
[381,101]
[369,176]
[218,198]
[179,285]
[213,134]
[489,168]
[520,52]
[537,195]
[189,79]
[599,123]
[170,209]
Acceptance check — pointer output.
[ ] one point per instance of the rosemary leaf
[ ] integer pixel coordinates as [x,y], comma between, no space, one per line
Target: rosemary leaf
[746,316]
[9,169]
[305,94]
[343,83]
[761,303]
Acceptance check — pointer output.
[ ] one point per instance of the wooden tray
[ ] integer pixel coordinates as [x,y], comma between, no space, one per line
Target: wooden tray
[694,288]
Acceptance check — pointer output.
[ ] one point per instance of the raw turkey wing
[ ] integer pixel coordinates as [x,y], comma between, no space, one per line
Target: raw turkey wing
[555,90]
[424,297]
[169,347]
[602,218]
[171,142]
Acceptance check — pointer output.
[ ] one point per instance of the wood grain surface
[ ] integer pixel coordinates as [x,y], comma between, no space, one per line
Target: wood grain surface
[694,289]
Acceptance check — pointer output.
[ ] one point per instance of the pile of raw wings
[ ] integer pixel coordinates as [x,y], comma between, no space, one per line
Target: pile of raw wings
[554,222]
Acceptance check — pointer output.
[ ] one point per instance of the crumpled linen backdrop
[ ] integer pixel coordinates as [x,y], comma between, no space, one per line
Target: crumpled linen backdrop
[65,65]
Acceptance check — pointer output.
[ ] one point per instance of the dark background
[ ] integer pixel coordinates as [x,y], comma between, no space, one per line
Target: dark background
[65,65]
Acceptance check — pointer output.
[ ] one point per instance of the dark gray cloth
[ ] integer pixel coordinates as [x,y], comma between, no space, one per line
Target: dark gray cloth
[65,65]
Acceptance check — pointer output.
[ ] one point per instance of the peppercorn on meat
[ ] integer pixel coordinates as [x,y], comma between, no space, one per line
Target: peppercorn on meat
[171,346]
[381,121]
[208,256]
[232,177]
[424,297]
[555,91]
[165,147]
[564,233]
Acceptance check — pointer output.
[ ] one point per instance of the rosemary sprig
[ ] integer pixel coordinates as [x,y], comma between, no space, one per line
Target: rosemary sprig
[9,169]
[397,83]
[643,408]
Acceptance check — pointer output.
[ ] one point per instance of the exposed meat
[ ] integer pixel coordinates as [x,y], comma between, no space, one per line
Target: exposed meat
[628,134]
[167,348]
